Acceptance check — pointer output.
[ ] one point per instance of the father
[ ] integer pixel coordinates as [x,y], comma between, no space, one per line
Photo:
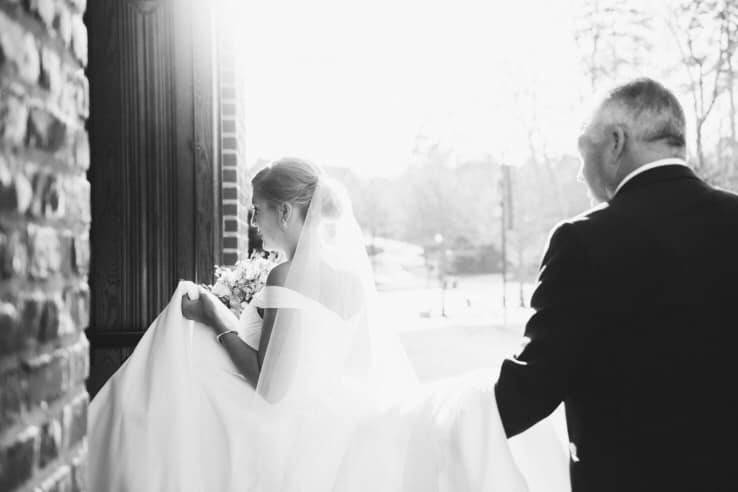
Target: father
[636,313]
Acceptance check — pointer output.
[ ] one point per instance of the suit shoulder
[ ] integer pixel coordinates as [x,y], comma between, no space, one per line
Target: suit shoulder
[727,197]
[580,224]
[594,214]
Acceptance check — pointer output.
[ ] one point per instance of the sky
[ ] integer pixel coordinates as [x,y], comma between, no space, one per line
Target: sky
[354,84]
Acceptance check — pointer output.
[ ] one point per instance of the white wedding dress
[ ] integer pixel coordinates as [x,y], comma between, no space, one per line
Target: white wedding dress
[337,407]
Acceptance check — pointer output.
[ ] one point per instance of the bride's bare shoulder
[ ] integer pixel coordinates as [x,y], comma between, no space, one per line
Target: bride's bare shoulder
[278,275]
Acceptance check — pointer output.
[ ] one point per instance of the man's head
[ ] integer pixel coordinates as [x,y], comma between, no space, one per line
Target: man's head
[637,123]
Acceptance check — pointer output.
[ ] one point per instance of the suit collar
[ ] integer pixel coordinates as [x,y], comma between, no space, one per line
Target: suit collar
[658,174]
[647,167]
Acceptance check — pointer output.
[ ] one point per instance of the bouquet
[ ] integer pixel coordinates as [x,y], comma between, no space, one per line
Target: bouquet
[235,286]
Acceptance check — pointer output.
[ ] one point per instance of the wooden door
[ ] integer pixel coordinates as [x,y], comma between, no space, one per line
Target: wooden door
[155,177]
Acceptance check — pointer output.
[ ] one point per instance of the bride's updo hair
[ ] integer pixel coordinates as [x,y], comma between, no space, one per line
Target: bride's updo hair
[292,180]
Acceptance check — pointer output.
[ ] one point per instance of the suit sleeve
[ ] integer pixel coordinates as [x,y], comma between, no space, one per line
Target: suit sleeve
[532,384]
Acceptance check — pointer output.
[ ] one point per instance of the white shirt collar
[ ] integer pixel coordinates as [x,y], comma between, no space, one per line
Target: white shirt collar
[651,165]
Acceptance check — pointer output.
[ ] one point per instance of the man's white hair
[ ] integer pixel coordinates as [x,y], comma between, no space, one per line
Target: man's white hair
[648,110]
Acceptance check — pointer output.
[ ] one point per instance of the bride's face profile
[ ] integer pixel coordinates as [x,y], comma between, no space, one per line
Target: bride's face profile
[281,195]
[278,225]
[265,218]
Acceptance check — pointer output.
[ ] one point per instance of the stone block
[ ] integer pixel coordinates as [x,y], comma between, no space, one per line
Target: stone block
[63,23]
[23,193]
[75,421]
[32,313]
[79,471]
[29,63]
[9,328]
[18,50]
[79,39]
[81,314]
[45,10]
[11,398]
[79,5]
[16,191]
[13,120]
[79,362]
[8,195]
[75,94]
[14,262]
[81,254]
[50,442]
[50,323]
[45,252]
[82,93]
[47,378]
[45,131]
[47,198]
[82,150]
[17,459]
[51,199]
[77,198]
[51,72]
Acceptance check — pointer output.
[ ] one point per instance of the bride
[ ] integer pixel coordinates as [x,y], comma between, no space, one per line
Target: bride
[307,391]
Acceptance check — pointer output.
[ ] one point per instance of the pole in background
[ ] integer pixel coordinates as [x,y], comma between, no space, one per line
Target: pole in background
[506,223]
[439,239]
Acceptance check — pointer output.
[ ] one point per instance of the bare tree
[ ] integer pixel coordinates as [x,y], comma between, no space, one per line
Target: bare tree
[614,37]
[527,100]
[729,17]
[705,33]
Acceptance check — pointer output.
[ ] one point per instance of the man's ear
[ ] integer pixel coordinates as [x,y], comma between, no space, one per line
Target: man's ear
[618,137]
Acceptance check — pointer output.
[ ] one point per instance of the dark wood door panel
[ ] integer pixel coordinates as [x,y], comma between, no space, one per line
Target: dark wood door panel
[154,171]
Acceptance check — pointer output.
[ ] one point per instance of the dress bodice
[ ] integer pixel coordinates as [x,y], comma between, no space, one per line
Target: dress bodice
[250,322]
[249,326]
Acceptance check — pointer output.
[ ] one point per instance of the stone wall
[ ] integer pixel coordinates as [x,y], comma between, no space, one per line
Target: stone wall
[44,245]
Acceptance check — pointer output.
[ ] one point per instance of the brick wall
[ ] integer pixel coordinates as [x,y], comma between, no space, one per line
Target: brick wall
[236,192]
[44,246]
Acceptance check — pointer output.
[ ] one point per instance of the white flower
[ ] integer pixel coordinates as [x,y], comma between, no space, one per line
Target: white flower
[230,276]
[220,290]
[237,285]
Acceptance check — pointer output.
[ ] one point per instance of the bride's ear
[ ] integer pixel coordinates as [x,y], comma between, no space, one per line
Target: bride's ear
[285,212]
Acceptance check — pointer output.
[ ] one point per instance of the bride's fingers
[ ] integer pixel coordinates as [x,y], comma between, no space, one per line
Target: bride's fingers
[188,306]
[192,290]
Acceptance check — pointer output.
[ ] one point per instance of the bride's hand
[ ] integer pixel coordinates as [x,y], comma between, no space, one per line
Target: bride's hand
[203,309]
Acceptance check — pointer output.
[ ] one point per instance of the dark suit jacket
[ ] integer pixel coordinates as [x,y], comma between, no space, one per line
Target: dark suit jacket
[635,330]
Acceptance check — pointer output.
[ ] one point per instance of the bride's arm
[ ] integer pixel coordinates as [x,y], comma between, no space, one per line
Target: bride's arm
[246,359]
[276,278]
[209,311]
